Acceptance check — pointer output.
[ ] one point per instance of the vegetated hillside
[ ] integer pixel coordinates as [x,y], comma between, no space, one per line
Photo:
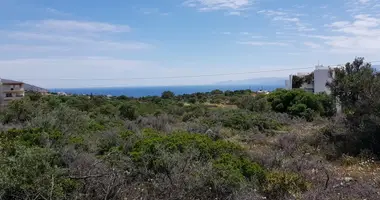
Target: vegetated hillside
[217,145]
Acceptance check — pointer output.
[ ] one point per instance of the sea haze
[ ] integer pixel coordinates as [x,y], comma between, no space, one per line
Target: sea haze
[157,90]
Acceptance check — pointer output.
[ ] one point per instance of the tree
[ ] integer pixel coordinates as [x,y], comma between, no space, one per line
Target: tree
[128,111]
[167,95]
[298,102]
[298,81]
[351,81]
[216,92]
[357,86]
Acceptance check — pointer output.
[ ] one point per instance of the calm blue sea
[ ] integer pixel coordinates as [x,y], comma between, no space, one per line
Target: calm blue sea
[157,90]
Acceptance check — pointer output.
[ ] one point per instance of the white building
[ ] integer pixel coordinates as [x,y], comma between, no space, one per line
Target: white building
[321,75]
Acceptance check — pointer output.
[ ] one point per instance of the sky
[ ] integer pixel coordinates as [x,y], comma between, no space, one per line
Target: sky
[97,43]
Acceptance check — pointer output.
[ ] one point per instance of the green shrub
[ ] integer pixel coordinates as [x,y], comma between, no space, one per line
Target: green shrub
[167,95]
[64,119]
[180,142]
[128,111]
[107,109]
[256,104]
[19,111]
[28,173]
[282,184]
[238,169]
[231,169]
[243,120]
[301,103]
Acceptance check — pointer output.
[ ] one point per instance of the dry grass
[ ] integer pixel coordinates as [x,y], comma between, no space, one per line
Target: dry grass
[289,151]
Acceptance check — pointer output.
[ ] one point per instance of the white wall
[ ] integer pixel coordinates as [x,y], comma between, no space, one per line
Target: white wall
[321,77]
[288,83]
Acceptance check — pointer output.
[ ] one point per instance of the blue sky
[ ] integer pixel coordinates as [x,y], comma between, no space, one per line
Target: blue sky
[109,43]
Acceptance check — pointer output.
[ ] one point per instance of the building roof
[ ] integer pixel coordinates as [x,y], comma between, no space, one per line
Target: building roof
[10,82]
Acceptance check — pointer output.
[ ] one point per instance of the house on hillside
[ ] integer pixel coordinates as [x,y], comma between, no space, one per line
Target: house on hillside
[10,90]
[314,82]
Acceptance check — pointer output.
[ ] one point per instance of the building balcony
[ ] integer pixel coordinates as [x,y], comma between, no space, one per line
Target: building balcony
[21,90]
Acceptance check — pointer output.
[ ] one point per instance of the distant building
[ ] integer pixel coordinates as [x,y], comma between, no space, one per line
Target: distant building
[62,94]
[316,80]
[262,92]
[11,90]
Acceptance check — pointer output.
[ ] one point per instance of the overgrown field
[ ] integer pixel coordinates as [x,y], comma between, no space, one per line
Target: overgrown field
[217,145]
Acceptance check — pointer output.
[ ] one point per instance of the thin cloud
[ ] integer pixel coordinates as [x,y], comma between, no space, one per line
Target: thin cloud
[75,41]
[73,25]
[360,35]
[312,45]
[57,12]
[363,1]
[355,7]
[30,48]
[153,11]
[271,12]
[209,5]
[55,69]
[52,38]
[294,54]
[236,13]
[264,43]
[288,18]
[257,36]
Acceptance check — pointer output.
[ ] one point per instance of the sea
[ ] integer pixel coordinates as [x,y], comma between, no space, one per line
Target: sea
[158,90]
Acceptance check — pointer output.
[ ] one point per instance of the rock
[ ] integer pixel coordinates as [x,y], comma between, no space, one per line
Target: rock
[348,179]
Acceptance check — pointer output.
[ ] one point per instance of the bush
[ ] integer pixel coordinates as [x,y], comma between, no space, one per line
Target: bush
[19,111]
[216,92]
[301,103]
[64,119]
[242,120]
[357,87]
[167,95]
[236,170]
[33,172]
[128,111]
[230,170]
[93,147]
[208,148]
[284,184]
[255,104]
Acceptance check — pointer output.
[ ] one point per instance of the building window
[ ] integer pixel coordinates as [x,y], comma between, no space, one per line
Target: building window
[8,95]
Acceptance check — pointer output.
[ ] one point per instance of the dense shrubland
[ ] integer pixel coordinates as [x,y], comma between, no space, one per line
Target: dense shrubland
[216,145]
